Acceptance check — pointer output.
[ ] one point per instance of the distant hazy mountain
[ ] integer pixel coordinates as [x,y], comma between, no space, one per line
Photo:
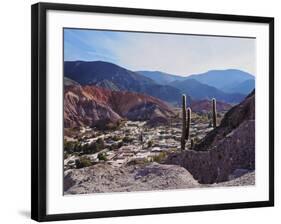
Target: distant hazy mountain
[114,77]
[222,79]
[200,91]
[161,77]
[244,87]
[228,81]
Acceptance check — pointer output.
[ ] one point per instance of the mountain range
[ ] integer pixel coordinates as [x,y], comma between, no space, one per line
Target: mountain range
[161,78]
[229,86]
[244,87]
[200,91]
[224,80]
[114,77]
[229,80]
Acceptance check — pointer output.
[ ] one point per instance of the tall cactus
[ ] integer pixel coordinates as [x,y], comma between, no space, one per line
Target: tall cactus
[183,136]
[186,117]
[188,123]
[214,113]
[141,138]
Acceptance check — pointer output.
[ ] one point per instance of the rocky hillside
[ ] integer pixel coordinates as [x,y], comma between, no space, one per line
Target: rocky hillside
[243,112]
[206,105]
[92,105]
[229,147]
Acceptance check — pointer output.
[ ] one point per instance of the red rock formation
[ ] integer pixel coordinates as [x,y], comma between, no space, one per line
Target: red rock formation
[91,104]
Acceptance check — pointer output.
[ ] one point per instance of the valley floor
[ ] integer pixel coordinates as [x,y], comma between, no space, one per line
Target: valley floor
[131,158]
[134,140]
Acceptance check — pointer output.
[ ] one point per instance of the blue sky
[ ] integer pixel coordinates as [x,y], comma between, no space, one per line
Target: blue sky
[176,54]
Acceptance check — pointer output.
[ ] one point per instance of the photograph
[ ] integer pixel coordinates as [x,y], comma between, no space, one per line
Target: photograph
[152,111]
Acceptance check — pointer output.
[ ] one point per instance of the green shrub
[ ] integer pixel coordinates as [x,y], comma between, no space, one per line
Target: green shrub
[83,161]
[159,158]
[127,139]
[65,155]
[71,146]
[173,149]
[102,156]
[196,140]
[75,154]
[149,143]
[107,125]
[114,126]
[94,147]
[100,144]
[116,138]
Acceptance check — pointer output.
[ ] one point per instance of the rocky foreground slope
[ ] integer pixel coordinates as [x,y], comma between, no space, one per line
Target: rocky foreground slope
[106,178]
[229,147]
[103,178]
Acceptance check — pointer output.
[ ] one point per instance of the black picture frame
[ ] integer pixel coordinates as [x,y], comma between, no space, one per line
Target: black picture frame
[38,108]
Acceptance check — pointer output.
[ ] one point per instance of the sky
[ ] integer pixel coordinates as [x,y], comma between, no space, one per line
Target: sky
[175,54]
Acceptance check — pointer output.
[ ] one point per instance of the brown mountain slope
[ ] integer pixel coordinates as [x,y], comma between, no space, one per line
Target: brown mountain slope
[83,109]
[89,105]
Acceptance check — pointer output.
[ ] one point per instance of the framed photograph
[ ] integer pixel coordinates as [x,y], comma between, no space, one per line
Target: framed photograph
[139,111]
